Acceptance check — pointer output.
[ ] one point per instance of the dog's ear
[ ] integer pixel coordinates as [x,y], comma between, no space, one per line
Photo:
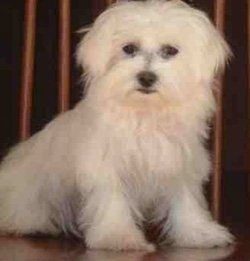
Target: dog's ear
[93,51]
[215,51]
[218,52]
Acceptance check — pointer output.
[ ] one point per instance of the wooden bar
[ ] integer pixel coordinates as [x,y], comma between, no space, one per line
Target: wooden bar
[64,56]
[248,75]
[109,2]
[219,17]
[28,68]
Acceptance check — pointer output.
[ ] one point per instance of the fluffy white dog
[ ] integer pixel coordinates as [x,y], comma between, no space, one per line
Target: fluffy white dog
[133,149]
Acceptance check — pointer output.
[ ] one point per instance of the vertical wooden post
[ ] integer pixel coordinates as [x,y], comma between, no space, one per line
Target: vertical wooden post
[28,68]
[219,17]
[64,56]
[248,75]
[109,2]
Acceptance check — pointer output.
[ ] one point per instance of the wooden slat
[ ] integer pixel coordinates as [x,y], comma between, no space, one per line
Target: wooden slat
[109,2]
[219,17]
[248,75]
[64,56]
[28,68]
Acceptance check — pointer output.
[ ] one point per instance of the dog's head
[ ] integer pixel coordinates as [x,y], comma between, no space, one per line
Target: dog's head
[153,52]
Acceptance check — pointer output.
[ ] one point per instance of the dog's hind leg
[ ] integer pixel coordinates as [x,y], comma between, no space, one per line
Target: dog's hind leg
[24,205]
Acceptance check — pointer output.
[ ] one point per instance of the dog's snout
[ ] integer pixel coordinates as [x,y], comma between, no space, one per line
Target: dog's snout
[147,78]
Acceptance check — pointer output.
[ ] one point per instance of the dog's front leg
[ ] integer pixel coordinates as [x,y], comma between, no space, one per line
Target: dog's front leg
[189,222]
[107,220]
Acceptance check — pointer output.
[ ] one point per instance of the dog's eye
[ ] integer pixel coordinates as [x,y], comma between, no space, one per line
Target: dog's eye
[130,49]
[168,51]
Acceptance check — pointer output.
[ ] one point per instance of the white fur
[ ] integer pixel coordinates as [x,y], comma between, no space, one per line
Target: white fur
[121,157]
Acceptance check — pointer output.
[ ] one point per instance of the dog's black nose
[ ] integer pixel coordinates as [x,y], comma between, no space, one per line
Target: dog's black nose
[147,78]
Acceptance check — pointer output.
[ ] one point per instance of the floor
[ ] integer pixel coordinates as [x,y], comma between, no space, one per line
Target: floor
[47,249]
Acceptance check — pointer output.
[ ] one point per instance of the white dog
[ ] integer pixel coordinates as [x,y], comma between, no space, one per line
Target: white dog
[133,149]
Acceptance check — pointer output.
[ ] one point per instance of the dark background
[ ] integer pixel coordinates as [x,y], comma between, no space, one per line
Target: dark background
[45,95]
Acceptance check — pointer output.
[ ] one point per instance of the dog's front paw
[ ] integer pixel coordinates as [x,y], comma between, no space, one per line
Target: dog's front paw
[205,236]
[118,241]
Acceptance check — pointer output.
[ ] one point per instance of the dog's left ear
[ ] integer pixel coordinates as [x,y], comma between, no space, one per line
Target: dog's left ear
[216,51]
[93,52]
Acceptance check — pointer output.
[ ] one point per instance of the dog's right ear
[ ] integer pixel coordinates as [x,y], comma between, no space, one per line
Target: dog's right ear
[94,50]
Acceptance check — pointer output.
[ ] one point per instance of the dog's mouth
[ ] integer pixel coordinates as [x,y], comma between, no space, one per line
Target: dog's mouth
[146,91]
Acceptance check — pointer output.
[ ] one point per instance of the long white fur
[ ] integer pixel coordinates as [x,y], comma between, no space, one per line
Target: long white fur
[121,157]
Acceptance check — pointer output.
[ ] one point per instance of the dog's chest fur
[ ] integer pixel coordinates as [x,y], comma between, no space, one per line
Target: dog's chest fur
[145,151]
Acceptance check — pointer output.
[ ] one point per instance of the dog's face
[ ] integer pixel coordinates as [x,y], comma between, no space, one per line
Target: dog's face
[153,53]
